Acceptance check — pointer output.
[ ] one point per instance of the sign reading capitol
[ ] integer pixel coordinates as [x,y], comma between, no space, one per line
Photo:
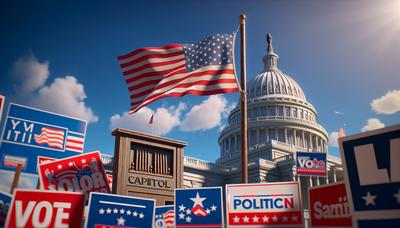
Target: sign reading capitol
[147,166]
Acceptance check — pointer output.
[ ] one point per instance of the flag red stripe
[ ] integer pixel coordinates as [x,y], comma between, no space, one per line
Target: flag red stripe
[74,148]
[181,94]
[75,141]
[150,56]
[133,53]
[152,65]
[155,73]
[183,85]
[192,75]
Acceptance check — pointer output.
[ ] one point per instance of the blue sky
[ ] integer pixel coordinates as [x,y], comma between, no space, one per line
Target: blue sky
[61,56]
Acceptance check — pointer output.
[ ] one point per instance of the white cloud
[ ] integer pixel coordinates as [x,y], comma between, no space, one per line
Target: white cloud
[30,73]
[164,120]
[372,124]
[206,115]
[333,139]
[387,104]
[65,95]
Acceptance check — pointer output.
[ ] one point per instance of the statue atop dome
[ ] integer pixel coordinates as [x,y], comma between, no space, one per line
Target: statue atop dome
[269,41]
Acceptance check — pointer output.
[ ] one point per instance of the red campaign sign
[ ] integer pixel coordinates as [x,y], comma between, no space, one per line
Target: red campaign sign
[329,206]
[44,160]
[37,208]
[81,173]
[109,179]
[2,101]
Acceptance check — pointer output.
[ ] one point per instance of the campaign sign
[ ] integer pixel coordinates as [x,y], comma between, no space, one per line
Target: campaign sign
[371,162]
[264,205]
[36,208]
[81,173]
[109,181]
[2,101]
[311,163]
[329,206]
[5,200]
[44,160]
[164,217]
[30,132]
[108,210]
[199,207]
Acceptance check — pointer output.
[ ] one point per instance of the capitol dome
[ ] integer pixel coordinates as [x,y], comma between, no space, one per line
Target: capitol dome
[278,113]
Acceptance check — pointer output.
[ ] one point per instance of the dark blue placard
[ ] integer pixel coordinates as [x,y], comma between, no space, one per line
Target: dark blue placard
[386,223]
[199,207]
[303,159]
[164,217]
[5,200]
[116,210]
[383,194]
[18,143]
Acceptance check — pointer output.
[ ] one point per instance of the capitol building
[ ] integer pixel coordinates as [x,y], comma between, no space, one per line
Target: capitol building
[280,122]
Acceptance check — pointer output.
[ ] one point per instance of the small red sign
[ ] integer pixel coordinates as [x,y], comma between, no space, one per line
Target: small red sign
[2,101]
[109,179]
[329,206]
[81,173]
[37,208]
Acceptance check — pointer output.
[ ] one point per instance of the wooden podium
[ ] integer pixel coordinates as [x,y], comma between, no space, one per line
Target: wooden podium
[147,166]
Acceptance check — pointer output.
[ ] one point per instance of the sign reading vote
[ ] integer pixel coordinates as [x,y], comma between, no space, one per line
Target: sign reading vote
[264,205]
[311,163]
[199,207]
[371,162]
[108,210]
[164,217]
[35,208]
[30,132]
[5,200]
[329,206]
[81,173]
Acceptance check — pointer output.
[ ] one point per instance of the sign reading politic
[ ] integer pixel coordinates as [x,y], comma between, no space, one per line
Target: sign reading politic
[329,206]
[37,208]
[264,205]
[81,173]
[311,163]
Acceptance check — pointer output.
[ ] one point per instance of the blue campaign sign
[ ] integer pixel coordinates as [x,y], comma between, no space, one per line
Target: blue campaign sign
[371,162]
[311,163]
[387,223]
[200,207]
[111,210]
[5,200]
[164,217]
[30,132]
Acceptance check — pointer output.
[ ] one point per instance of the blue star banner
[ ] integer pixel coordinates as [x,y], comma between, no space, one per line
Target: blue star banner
[371,161]
[201,207]
[164,217]
[109,210]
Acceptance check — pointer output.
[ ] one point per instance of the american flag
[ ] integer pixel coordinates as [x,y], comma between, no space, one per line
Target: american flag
[51,136]
[174,70]
[75,142]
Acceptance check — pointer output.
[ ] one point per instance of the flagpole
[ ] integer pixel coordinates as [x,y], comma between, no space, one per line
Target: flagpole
[243,102]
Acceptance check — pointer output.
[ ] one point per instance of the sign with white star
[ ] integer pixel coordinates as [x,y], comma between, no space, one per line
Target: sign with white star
[109,210]
[371,163]
[200,207]
[264,205]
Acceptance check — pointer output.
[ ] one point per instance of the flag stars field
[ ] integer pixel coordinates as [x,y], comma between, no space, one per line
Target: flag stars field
[397,196]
